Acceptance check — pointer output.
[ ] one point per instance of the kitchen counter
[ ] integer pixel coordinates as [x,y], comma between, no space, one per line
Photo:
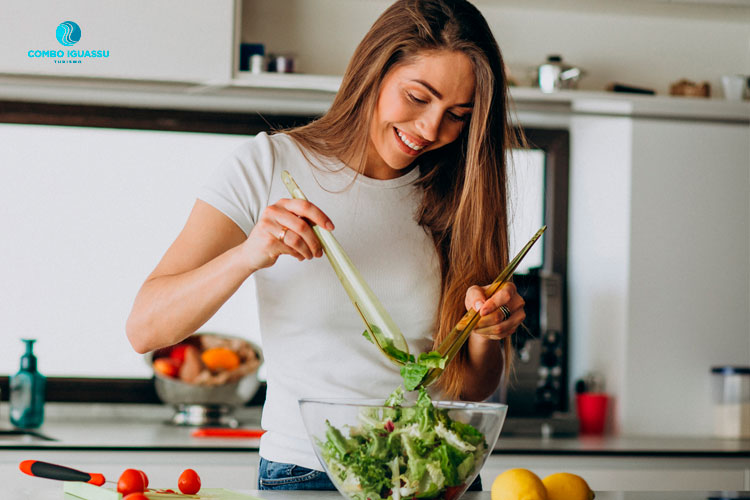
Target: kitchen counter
[23,488]
[142,427]
[109,438]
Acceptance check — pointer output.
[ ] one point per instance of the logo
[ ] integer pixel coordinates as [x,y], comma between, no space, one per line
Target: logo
[68,33]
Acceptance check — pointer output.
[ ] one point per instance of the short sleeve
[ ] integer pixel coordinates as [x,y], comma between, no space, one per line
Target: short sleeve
[239,187]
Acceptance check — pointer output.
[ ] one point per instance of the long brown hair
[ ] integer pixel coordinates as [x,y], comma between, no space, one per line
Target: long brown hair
[464,206]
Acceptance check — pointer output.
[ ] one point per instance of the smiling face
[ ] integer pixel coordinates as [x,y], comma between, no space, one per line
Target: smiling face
[422,106]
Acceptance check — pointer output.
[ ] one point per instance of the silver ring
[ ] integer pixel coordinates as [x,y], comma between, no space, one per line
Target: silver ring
[281,235]
[506,312]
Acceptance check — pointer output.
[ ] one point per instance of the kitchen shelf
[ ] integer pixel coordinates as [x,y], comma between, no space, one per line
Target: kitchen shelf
[290,81]
[304,94]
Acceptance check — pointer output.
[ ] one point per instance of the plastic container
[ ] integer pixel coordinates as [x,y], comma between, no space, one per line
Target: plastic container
[252,57]
[27,390]
[731,395]
[592,408]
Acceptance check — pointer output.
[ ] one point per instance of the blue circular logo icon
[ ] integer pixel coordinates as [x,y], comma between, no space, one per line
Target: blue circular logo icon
[68,33]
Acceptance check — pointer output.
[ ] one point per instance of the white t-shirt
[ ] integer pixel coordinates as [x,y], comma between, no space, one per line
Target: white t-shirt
[310,332]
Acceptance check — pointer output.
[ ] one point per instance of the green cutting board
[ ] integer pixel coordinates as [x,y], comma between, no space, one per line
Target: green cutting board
[84,491]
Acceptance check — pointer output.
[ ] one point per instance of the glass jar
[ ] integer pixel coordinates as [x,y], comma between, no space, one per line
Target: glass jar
[731,394]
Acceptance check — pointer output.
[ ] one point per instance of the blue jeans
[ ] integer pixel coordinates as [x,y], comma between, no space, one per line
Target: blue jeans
[281,476]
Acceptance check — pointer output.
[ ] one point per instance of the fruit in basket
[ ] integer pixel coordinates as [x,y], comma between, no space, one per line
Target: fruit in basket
[206,360]
[192,366]
[167,367]
[178,353]
[518,484]
[566,486]
[220,358]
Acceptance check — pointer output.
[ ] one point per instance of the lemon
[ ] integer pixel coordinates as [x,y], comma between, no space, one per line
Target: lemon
[566,486]
[518,484]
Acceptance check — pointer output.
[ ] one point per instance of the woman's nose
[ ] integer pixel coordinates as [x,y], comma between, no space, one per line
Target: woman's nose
[428,125]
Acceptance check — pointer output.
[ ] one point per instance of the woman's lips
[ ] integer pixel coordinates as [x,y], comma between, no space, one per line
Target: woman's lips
[406,149]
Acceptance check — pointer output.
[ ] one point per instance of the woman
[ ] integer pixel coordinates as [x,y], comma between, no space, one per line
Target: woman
[409,163]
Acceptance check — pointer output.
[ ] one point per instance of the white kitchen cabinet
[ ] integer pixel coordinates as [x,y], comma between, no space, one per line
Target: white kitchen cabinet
[631,473]
[173,40]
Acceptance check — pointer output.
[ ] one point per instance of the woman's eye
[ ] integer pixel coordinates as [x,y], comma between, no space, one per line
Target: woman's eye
[458,118]
[414,98]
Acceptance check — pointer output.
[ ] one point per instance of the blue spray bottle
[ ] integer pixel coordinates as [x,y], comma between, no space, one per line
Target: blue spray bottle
[27,389]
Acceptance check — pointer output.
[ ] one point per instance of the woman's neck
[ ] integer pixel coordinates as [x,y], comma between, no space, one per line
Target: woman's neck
[376,168]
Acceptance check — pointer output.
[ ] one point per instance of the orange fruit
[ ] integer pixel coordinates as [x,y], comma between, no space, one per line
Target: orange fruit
[220,358]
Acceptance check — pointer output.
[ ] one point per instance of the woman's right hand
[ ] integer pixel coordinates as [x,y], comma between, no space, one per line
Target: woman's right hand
[285,228]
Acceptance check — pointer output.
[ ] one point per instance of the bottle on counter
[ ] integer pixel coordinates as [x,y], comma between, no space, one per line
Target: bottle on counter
[27,389]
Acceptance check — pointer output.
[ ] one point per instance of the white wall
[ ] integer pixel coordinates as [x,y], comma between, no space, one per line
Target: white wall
[689,275]
[638,42]
[659,264]
[91,211]
[86,215]
[599,250]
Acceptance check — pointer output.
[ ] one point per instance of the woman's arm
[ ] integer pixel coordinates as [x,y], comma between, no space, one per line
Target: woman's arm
[202,268]
[482,372]
[484,368]
[209,261]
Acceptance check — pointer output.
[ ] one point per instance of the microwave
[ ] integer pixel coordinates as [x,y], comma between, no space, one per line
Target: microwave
[538,382]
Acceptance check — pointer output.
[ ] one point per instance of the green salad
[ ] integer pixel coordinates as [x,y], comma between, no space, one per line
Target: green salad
[402,452]
[413,370]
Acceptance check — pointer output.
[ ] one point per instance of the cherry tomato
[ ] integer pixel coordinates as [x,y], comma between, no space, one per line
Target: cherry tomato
[130,481]
[145,478]
[189,482]
[451,492]
[167,367]
[136,496]
[178,353]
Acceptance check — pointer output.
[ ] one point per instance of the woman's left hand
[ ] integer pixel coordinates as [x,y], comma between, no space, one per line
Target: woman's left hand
[494,324]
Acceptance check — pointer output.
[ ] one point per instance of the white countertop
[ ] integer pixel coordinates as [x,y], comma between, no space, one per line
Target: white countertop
[28,488]
[143,427]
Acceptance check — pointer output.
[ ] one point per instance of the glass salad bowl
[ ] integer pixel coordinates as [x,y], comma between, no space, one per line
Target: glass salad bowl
[402,451]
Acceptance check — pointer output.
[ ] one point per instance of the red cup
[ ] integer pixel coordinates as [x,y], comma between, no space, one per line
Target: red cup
[592,412]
